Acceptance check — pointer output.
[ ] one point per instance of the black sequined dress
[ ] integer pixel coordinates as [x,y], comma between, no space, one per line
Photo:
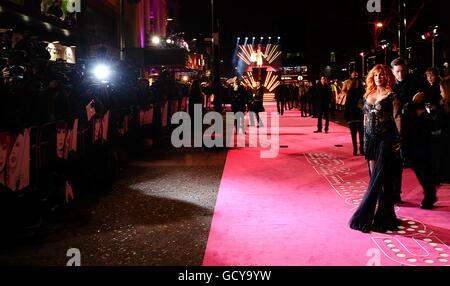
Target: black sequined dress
[380,137]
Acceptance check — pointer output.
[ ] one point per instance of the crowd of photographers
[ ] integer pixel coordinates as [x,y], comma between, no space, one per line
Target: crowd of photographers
[44,98]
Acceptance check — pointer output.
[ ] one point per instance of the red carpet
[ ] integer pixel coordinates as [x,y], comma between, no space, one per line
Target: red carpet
[293,210]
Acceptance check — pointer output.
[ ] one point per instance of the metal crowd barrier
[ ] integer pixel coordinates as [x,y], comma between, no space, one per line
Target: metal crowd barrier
[48,172]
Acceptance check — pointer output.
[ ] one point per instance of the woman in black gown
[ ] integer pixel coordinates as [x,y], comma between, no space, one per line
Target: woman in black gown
[382,117]
[444,110]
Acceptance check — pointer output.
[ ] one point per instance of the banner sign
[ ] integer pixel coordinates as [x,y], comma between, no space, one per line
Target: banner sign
[15,160]
[374,6]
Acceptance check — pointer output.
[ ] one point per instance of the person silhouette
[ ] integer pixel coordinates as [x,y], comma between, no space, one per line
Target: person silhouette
[382,123]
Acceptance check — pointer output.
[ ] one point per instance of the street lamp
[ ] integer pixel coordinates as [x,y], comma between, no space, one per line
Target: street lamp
[432,35]
[156,40]
[433,44]
[384,47]
[402,28]
[215,58]
[377,29]
[363,63]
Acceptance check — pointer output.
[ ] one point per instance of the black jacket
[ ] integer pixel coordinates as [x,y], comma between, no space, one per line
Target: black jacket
[407,88]
[323,99]
[354,105]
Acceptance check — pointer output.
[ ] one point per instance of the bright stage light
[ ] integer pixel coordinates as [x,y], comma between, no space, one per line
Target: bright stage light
[156,40]
[102,72]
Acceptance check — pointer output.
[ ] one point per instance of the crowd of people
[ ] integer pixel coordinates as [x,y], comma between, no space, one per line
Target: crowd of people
[320,99]
[405,122]
[45,101]
[401,121]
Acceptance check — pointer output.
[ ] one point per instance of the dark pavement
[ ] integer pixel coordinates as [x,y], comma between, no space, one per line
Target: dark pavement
[158,213]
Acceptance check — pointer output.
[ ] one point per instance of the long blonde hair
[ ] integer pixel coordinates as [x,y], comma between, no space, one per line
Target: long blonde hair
[370,81]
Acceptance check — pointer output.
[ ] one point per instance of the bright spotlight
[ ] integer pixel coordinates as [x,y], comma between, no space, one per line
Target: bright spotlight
[185,78]
[102,72]
[169,41]
[156,40]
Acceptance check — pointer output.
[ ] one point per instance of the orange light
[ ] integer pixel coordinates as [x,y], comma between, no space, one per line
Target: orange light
[380,25]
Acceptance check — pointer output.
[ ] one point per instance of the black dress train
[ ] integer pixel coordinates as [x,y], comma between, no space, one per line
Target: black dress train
[380,136]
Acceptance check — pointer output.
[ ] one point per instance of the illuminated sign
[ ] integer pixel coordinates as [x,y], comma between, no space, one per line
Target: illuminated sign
[296,69]
[374,6]
[60,52]
[196,61]
[70,6]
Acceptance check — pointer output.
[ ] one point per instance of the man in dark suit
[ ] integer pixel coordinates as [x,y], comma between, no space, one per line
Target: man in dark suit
[281,95]
[56,9]
[324,94]
[415,133]
[258,104]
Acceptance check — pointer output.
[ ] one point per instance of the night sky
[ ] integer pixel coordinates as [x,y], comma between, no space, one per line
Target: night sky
[314,28]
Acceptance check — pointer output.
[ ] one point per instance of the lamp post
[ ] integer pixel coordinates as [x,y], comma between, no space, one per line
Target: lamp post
[433,40]
[215,59]
[122,29]
[433,45]
[402,28]
[432,34]
[385,49]
[363,64]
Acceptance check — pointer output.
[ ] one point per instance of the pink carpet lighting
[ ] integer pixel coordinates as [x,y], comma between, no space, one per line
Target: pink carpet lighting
[294,210]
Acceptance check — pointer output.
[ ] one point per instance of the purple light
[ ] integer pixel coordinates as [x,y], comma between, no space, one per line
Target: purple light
[142,36]
[141,26]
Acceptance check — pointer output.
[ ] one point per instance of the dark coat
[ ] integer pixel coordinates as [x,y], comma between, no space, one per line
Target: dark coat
[354,105]
[258,105]
[409,87]
[282,92]
[323,98]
